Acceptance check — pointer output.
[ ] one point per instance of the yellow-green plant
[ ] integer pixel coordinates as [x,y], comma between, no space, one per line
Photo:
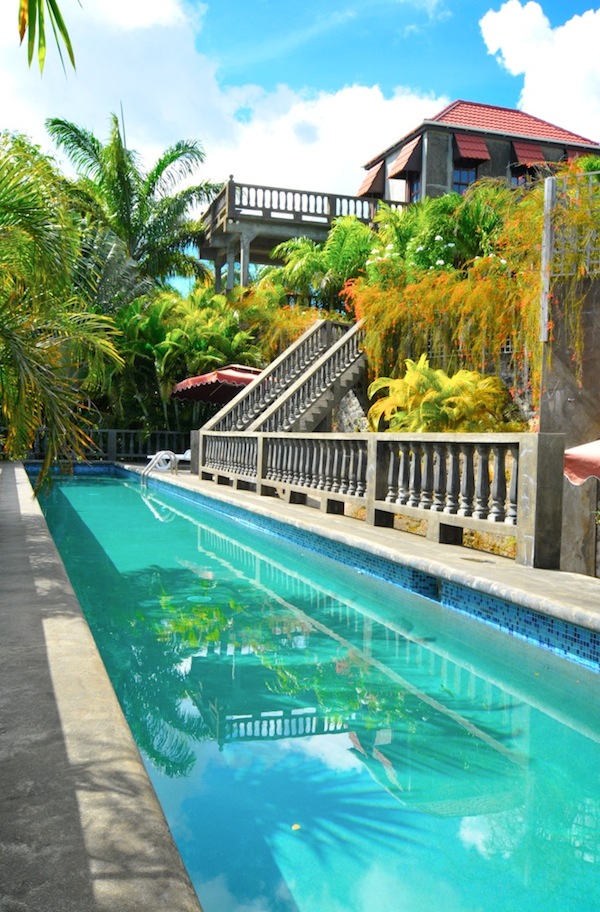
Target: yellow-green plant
[425,399]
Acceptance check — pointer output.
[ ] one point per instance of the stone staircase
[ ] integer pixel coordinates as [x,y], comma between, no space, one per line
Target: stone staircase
[299,390]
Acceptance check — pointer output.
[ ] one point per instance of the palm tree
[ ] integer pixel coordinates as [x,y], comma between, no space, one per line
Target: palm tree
[142,209]
[32,19]
[320,271]
[53,351]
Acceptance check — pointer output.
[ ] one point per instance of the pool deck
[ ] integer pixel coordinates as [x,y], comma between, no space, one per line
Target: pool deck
[81,829]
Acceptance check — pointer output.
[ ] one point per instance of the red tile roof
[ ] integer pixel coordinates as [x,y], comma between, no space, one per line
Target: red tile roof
[473,147]
[504,120]
[470,115]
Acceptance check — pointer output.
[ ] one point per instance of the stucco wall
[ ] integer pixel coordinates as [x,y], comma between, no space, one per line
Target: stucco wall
[567,406]
[579,540]
[438,177]
[573,408]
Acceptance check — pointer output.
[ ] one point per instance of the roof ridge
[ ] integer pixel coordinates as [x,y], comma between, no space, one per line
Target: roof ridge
[492,107]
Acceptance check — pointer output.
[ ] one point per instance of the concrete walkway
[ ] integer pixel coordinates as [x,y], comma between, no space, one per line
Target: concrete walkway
[80,827]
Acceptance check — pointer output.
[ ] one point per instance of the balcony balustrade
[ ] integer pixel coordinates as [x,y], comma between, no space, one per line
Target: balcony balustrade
[246,221]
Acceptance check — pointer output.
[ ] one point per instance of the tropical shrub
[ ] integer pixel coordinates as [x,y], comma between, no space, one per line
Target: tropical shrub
[479,308]
[316,273]
[428,400]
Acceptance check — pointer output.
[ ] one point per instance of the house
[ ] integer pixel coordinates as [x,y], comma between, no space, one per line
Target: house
[465,142]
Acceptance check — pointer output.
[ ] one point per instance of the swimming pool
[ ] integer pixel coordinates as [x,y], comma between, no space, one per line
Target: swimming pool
[322,740]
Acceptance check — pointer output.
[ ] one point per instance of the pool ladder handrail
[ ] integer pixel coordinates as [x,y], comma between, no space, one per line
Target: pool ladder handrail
[154,460]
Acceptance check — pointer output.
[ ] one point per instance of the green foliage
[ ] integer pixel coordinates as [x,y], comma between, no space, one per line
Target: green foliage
[589,164]
[466,309]
[53,351]
[427,400]
[32,21]
[165,338]
[264,310]
[143,209]
[318,272]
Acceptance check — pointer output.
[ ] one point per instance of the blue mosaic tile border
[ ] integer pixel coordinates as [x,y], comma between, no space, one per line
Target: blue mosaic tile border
[575,643]
[83,468]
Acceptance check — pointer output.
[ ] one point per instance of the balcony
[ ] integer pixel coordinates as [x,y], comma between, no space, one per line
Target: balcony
[245,221]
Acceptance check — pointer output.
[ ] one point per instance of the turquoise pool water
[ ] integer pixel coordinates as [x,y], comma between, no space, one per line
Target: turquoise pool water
[323,741]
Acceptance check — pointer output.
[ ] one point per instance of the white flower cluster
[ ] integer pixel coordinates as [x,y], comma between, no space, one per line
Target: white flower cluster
[440,247]
[377,255]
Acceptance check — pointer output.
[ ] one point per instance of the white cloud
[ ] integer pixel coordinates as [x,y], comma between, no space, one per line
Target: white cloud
[168,91]
[137,14]
[560,66]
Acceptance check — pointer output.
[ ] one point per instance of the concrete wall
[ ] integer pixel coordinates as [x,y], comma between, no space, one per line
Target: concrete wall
[438,162]
[573,408]
[439,159]
[567,406]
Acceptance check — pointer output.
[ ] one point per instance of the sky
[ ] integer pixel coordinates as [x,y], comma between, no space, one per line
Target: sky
[300,95]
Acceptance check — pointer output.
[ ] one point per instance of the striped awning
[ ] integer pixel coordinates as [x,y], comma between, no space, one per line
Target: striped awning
[471,147]
[527,153]
[408,159]
[374,181]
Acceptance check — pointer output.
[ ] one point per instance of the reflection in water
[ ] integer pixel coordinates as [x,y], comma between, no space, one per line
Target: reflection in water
[322,742]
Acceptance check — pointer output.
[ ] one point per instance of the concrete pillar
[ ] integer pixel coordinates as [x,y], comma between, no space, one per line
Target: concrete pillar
[540,497]
[246,238]
[244,260]
[219,262]
[230,268]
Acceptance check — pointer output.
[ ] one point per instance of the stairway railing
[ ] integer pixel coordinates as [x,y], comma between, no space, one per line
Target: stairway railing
[279,376]
[319,377]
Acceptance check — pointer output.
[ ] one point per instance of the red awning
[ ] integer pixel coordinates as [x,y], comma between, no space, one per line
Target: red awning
[583,462]
[528,153]
[471,147]
[374,181]
[572,154]
[408,159]
[216,386]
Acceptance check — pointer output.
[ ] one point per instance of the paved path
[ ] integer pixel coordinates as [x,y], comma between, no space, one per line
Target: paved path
[81,829]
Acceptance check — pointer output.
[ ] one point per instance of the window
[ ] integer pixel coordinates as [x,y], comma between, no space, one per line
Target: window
[524,176]
[463,177]
[414,187]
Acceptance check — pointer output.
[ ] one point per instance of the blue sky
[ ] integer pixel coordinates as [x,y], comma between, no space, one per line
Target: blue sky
[435,47]
[302,94]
